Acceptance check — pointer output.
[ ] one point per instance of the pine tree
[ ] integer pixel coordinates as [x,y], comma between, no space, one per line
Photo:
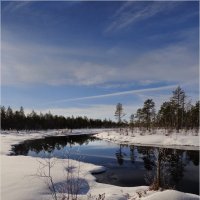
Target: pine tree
[178,100]
[148,112]
[10,118]
[139,117]
[132,117]
[119,113]
[3,117]
[195,115]
[166,115]
[21,119]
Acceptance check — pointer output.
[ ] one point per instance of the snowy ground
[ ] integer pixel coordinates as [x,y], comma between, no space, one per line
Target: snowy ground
[160,138]
[18,180]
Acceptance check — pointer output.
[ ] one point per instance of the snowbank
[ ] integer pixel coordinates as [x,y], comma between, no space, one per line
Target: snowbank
[181,141]
[172,194]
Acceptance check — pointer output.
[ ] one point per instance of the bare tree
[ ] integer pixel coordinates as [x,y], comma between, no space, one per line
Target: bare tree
[70,188]
[44,171]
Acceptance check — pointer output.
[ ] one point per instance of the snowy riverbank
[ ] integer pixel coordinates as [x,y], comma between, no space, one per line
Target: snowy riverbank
[180,140]
[18,180]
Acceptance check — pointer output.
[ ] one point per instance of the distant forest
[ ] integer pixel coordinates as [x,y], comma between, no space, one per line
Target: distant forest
[19,121]
[177,113]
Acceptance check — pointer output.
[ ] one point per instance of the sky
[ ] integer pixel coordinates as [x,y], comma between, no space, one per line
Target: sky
[82,58]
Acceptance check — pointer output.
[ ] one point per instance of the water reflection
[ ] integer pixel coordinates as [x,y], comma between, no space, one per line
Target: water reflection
[120,155]
[163,165]
[49,144]
[128,165]
[132,155]
[194,157]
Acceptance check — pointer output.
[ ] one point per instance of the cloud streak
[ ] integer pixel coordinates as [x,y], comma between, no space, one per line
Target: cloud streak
[132,12]
[14,6]
[116,94]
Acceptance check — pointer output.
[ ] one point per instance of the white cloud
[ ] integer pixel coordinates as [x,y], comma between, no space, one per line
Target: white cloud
[32,64]
[173,63]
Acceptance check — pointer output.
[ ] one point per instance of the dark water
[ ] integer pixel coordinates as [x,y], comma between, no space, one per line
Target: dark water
[127,165]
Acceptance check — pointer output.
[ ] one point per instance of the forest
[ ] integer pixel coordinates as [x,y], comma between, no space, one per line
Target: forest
[177,113]
[19,121]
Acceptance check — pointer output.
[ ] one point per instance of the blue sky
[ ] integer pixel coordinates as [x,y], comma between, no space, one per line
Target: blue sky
[81,58]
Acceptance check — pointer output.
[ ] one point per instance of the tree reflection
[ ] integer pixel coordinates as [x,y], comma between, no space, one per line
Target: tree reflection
[132,154]
[166,165]
[176,165]
[193,156]
[120,155]
[148,157]
[49,144]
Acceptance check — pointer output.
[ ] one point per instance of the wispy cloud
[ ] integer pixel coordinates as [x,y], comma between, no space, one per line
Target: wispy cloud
[51,65]
[28,63]
[117,94]
[32,64]
[132,12]
[13,6]
[159,95]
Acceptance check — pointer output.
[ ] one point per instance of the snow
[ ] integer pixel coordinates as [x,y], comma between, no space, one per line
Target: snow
[178,140]
[19,180]
[164,195]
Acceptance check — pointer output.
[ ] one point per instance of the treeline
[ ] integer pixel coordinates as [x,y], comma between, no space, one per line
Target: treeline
[17,120]
[177,113]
